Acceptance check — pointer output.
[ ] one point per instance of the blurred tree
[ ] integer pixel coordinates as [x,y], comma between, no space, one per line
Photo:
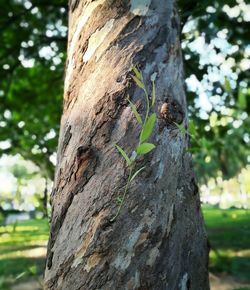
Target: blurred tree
[21,174]
[216,52]
[22,186]
[33,37]
[215,43]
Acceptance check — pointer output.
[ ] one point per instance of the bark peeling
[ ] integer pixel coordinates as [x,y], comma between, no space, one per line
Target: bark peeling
[184,282]
[78,258]
[72,44]
[97,38]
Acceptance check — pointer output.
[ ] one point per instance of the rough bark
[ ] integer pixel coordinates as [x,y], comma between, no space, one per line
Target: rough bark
[158,241]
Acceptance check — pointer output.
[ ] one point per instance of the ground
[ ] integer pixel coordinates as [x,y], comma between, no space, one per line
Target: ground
[229,236]
[23,250]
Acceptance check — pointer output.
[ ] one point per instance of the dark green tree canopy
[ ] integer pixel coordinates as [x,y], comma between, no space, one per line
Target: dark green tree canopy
[216,48]
[32,54]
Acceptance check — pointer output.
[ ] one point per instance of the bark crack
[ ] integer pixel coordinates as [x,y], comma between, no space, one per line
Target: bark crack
[86,161]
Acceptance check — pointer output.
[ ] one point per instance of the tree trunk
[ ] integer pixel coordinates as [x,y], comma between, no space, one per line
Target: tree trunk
[45,200]
[158,240]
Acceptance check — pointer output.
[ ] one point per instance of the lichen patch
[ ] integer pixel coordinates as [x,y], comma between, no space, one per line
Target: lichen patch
[183,282]
[140,7]
[123,259]
[134,282]
[154,253]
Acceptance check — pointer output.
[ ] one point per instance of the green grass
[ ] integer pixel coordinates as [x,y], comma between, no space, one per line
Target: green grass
[229,235]
[22,249]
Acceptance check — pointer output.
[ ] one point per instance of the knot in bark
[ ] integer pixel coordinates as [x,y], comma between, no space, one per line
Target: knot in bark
[171,111]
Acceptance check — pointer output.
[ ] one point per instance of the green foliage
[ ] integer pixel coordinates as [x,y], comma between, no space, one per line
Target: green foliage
[242,100]
[32,53]
[181,128]
[146,132]
[14,264]
[227,86]
[124,154]
[139,82]
[24,175]
[147,128]
[2,217]
[144,148]
[227,92]
[136,173]
[223,146]
[137,115]
[153,92]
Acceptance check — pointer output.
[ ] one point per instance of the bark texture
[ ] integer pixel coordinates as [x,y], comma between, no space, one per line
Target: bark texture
[158,241]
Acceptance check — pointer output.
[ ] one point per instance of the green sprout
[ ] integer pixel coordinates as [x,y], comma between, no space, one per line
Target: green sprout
[147,127]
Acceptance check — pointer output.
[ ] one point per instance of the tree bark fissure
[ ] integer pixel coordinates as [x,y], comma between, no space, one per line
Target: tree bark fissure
[86,163]
[158,241]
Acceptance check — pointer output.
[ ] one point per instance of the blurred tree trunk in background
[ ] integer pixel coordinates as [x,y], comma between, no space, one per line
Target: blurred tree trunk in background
[158,241]
[45,200]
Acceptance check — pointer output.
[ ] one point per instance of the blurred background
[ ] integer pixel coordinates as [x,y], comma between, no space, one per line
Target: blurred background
[216,52]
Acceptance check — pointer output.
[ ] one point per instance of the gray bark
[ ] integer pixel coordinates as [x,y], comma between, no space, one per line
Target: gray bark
[158,241]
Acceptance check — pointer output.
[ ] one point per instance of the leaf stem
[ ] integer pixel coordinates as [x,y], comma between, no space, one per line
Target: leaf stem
[148,105]
[124,193]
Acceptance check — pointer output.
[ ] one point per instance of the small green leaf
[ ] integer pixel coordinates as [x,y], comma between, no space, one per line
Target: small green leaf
[204,143]
[139,83]
[136,173]
[192,128]
[148,128]
[137,115]
[119,200]
[153,93]
[144,148]
[181,128]
[124,154]
[242,102]
[33,270]
[137,72]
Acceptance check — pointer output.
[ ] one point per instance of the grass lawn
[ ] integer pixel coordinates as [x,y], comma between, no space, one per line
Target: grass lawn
[23,246]
[22,251]
[229,236]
